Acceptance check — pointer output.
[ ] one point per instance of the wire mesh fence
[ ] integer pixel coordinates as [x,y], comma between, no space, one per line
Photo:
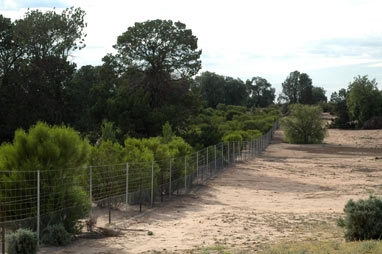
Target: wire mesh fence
[33,199]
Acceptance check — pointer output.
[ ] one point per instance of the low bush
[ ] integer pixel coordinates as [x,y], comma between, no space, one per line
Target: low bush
[23,241]
[56,235]
[363,219]
[304,125]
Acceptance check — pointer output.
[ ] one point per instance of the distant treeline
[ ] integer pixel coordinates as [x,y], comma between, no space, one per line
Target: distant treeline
[150,80]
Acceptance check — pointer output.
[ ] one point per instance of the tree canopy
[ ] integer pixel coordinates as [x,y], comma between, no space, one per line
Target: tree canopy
[149,80]
[35,70]
[261,92]
[160,47]
[298,88]
[364,100]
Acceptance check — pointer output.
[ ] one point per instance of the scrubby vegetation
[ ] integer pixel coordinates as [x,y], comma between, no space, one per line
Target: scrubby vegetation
[51,150]
[363,219]
[304,125]
[22,241]
[56,235]
[228,122]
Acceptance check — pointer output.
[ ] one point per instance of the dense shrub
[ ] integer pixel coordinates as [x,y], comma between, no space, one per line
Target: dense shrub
[102,156]
[373,123]
[363,219]
[304,125]
[60,154]
[231,113]
[56,235]
[22,241]
[234,136]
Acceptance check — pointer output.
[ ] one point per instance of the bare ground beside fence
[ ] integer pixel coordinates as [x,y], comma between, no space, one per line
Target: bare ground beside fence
[291,192]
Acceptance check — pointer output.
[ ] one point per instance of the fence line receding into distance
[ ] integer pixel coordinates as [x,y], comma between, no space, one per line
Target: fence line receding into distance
[126,186]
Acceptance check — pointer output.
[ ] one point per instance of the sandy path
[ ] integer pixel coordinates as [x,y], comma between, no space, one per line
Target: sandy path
[291,192]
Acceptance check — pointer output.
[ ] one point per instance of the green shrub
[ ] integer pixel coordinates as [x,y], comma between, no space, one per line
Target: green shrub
[78,208]
[231,113]
[60,154]
[304,125]
[363,219]
[22,241]
[56,235]
[102,156]
[252,134]
[234,136]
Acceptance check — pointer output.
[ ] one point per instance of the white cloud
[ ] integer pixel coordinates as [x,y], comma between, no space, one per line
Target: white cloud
[376,65]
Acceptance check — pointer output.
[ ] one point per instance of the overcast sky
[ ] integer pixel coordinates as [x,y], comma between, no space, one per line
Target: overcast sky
[332,41]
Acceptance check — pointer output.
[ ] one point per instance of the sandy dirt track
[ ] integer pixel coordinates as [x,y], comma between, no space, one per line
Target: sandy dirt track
[290,192]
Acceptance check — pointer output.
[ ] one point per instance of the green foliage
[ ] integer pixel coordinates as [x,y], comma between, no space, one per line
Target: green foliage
[261,92]
[108,132]
[252,134]
[364,100]
[363,219]
[339,109]
[231,113]
[304,125]
[167,133]
[35,70]
[373,123]
[182,57]
[147,82]
[135,152]
[212,125]
[298,88]
[216,89]
[50,150]
[106,153]
[233,136]
[22,241]
[154,150]
[56,235]
[318,95]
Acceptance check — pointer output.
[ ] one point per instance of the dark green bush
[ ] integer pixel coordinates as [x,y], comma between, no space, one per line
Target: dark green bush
[23,241]
[363,219]
[373,123]
[231,113]
[304,125]
[56,235]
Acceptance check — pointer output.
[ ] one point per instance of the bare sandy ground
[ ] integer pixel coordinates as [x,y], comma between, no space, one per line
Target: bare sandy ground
[290,192]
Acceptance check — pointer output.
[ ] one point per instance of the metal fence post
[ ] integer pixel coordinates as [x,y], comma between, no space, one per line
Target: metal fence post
[239,149]
[3,229]
[215,158]
[152,183]
[197,164]
[233,152]
[91,189]
[38,208]
[127,186]
[222,155]
[169,187]
[207,160]
[185,174]
[228,154]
